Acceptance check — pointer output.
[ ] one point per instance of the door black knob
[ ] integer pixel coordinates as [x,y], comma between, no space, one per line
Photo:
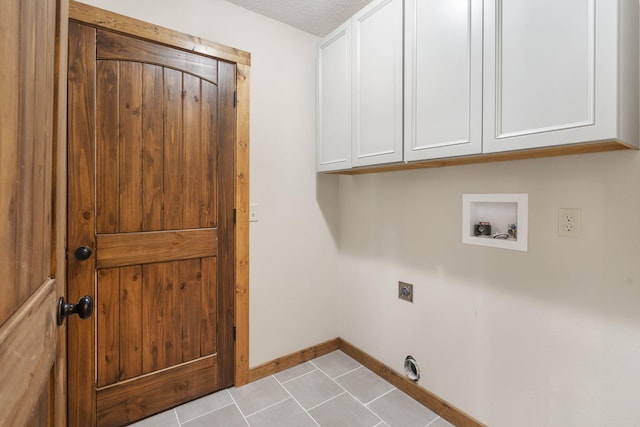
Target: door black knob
[83,252]
[84,308]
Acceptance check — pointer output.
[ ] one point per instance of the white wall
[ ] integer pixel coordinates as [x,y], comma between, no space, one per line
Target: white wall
[292,248]
[548,337]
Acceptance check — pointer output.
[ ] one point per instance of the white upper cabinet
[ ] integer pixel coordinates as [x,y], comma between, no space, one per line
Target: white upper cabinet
[333,139]
[560,72]
[377,83]
[443,78]
[360,90]
[474,78]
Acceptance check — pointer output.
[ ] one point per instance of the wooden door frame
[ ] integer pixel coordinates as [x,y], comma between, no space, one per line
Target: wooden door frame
[100,18]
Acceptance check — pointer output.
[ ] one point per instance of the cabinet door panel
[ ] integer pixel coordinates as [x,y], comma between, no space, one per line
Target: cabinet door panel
[443,78]
[334,102]
[377,90]
[550,73]
[529,84]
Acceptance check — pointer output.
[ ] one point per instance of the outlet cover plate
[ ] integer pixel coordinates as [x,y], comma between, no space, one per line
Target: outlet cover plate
[405,291]
[569,222]
[254,215]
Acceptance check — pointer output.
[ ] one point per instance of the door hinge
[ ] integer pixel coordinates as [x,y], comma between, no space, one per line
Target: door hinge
[234,215]
[235,98]
[234,332]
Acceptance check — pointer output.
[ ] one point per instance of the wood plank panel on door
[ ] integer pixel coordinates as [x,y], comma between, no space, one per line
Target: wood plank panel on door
[108,345]
[131,329]
[26,212]
[108,151]
[191,306]
[137,248]
[119,47]
[193,174]
[152,152]
[209,111]
[119,404]
[208,311]
[9,138]
[130,148]
[173,158]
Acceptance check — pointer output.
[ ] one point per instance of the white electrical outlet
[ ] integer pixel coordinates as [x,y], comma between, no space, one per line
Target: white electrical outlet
[569,223]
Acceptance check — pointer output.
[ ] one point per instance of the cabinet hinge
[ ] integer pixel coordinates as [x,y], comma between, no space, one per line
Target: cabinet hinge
[235,98]
[234,215]
[234,332]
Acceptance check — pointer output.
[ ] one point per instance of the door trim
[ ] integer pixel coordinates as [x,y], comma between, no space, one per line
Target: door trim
[100,18]
[104,19]
[59,262]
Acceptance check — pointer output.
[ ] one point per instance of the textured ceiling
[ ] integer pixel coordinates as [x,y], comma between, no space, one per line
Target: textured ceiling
[317,17]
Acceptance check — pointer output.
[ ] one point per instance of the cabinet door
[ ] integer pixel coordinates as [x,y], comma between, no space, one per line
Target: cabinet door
[333,143]
[443,78]
[377,83]
[550,73]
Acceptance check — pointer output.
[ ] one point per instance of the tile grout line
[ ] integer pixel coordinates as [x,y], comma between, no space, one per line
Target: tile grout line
[362,404]
[349,393]
[180,423]
[436,419]
[269,406]
[296,400]
[295,378]
[348,372]
[328,400]
[390,391]
[345,373]
[381,396]
[238,408]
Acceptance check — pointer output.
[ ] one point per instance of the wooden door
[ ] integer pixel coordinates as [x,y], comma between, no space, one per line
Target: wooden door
[30,373]
[151,193]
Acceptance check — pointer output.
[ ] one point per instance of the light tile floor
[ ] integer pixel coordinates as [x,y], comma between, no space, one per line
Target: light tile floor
[330,391]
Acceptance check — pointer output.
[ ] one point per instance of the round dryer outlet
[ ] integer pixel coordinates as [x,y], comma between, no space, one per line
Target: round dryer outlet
[411,368]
